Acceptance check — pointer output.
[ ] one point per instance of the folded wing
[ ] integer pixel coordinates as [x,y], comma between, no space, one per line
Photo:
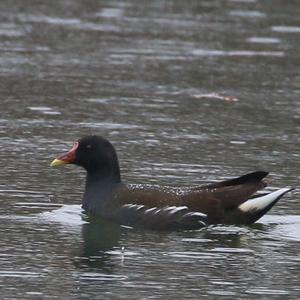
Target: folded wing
[159,218]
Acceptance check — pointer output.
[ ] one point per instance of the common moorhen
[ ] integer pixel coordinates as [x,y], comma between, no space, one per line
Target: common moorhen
[227,202]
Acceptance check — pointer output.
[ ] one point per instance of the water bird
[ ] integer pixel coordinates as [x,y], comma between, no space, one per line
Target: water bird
[233,201]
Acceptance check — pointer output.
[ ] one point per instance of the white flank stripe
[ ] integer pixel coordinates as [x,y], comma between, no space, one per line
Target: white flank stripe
[167,208]
[202,223]
[149,210]
[178,208]
[136,206]
[126,205]
[174,209]
[199,214]
[262,202]
[129,205]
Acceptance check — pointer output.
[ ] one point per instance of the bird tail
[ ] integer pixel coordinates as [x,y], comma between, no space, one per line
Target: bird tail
[256,207]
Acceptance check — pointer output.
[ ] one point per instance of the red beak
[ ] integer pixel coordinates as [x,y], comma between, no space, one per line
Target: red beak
[67,158]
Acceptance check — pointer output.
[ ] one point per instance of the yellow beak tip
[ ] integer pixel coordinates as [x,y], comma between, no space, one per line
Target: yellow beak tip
[57,162]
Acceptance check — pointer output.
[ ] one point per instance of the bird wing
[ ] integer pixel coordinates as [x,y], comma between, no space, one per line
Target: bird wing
[213,200]
[159,218]
[230,193]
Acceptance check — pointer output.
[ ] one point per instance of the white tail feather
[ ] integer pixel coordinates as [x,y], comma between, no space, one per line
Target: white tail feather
[260,203]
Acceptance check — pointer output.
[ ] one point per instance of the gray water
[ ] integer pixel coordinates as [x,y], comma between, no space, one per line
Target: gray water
[189,92]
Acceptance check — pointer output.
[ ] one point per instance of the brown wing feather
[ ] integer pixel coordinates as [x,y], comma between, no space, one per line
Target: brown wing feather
[150,196]
[213,199]
[257,176]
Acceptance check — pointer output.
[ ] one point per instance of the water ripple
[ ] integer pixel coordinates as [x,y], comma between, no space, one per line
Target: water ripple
[21,274]
[263,40]
[266,291]
[286,29]
[247,13]
[246,53]
[102,277]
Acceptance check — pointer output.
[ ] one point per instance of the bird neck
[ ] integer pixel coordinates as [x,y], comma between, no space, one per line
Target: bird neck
[99,191]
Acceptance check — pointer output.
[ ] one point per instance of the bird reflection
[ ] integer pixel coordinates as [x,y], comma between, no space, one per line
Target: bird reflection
[99,238]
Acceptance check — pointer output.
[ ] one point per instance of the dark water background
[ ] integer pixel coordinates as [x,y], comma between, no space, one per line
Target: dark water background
[145,74]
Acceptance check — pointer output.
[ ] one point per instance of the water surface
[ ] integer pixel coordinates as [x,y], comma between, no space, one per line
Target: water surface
[188,92]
